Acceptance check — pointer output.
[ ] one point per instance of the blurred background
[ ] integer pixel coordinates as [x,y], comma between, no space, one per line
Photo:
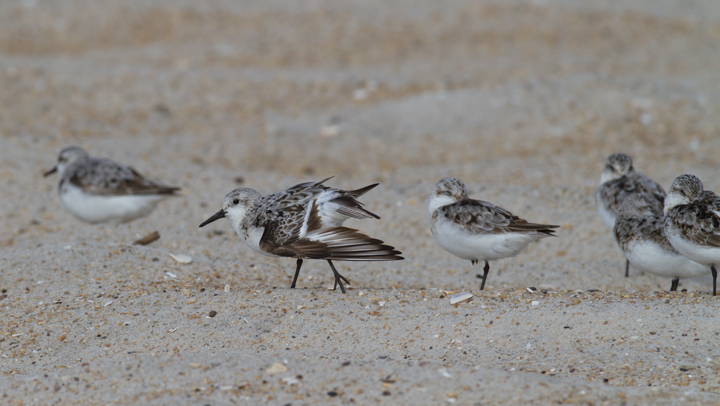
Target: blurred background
[316,87]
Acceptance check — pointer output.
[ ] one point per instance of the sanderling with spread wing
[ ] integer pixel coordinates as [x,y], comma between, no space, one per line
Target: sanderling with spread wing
[98,190]
[692,222]
[304,222]
[478,230]
[619,180]
[640,233]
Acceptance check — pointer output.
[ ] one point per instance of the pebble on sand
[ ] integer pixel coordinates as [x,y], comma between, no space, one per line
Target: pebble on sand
[276,368]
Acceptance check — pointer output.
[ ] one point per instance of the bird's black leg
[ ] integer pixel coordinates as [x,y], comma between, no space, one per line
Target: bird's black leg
[343,278]
[485,273]
[674,285]
[297,273]
[714,274]
[627,268]
[338,278]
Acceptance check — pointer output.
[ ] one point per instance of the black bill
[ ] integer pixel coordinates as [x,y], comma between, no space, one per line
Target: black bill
[50,172]
[214,217]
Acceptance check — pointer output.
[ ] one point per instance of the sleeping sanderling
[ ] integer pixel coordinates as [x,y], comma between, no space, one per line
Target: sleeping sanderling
[692,222]
[640,233]
[618,180]
[478,230]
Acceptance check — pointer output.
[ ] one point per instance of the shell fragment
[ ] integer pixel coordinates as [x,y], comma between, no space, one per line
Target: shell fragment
[460,297]
[181,258]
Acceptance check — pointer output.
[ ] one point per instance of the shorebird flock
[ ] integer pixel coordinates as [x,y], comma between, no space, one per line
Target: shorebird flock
[674,235]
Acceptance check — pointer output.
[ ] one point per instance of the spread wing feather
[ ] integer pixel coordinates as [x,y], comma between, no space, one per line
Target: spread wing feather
[308,228]
[343,244]
[334,206]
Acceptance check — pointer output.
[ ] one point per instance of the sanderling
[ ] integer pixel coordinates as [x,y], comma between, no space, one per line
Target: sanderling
[639,232]
[304,222]
[98,190]
[618,180]
[478,230]
[692,222]
[710,199]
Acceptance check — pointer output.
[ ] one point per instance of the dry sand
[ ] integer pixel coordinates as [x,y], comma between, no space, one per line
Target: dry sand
[521,100]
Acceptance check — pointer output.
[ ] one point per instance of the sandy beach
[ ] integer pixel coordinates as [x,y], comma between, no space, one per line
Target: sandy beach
[522,100]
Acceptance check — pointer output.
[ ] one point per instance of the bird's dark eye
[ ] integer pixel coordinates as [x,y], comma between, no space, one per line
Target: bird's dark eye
[236,201]
[447,193]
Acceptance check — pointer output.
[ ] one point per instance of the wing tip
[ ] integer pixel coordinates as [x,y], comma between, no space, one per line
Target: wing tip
[171,190]
[359,192]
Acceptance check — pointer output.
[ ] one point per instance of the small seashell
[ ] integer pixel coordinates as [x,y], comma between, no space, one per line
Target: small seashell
[108,303]
[170,274]
[227,288]
[276,368]
[181,258]
[460,297]
[191,300]
[534,303]
[291,380]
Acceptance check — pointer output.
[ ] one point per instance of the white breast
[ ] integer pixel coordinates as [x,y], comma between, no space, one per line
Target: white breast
[650,257]
[100,209]
[607,216]
[481,247]
[698,253]
[252,238]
